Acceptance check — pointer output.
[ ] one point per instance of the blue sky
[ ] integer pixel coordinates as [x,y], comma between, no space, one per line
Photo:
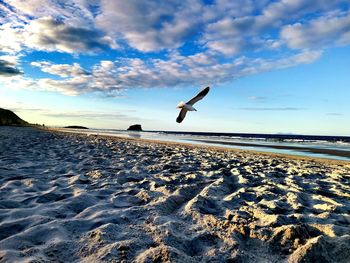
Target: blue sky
[273,66]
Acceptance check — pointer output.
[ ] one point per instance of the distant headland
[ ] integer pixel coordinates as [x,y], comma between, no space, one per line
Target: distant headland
[9,118]
[76,127]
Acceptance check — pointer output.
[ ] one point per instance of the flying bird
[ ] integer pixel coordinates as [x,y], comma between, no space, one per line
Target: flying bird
[188,106]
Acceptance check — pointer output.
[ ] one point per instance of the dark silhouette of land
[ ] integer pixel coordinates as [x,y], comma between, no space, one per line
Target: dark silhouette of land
[76,127]
[135,127]
[9,118]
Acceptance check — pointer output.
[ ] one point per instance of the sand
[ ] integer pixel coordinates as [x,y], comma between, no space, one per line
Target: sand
[79,198]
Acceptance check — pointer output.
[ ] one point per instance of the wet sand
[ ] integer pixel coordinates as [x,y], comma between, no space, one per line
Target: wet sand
[331,152]
[79,198]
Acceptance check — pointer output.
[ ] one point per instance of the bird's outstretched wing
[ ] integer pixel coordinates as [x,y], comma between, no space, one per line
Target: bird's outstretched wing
[199,96]
[181,116]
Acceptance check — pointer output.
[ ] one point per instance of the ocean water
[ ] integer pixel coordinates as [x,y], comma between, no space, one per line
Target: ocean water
[329,147]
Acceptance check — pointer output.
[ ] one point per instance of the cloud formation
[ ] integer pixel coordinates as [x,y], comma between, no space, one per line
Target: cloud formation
[62,70]
[86,115]
[50,34]
[323,31]
[258,98]
[272,109]
[75,80]
[335,114]
[81,115]
[8,66]
[112,77]
[147,44]
[153,25]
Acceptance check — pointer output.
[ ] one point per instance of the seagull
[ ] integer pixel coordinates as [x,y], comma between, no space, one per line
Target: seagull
[188,106]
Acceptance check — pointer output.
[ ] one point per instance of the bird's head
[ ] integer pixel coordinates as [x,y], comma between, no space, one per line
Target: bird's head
[180,105]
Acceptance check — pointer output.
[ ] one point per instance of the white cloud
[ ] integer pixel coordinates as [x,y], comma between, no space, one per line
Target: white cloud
[87,115]
[12,59]
[319,32]
[226,40]
[62,70]
[33,7]
[49,34]
[8,66]
[277,12]
[246,32]
[18,82]
[113,77]
[150,25]
[76,80]
[227,27]
[75,12]
[153,26]
[10,40]
[257,98]
[272,109]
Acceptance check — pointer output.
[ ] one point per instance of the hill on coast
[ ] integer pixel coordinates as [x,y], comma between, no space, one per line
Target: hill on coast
[8,117]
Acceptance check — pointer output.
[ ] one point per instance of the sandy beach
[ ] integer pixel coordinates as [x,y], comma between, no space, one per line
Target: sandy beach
[78,198]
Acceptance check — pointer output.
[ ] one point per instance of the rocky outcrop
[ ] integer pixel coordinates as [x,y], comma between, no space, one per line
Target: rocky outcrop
[135,127]
[76,127]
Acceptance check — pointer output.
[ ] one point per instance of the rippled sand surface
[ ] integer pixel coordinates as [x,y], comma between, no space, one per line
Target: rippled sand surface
[78,198]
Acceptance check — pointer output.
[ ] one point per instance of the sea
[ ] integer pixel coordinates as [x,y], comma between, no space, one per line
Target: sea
[328,147]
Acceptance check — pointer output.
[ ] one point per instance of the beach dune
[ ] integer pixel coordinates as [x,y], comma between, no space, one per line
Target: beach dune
[78,198]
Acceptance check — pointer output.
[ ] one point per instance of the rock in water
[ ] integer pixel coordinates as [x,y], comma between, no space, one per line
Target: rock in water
[8,117]
[135,127]
[76,127]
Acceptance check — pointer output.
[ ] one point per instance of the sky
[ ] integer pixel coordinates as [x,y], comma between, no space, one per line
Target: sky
[273,66]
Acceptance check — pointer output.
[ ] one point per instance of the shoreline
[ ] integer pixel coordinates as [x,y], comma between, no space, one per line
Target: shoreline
[211,147]
[339,153]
